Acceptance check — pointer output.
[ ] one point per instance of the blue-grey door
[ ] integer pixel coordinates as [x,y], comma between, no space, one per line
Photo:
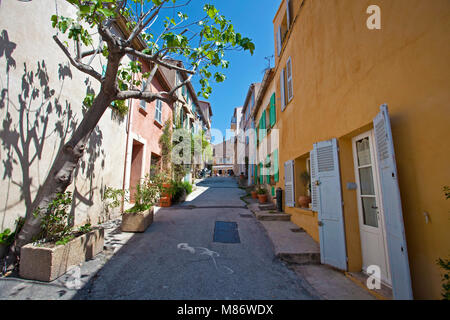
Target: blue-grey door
[331,221]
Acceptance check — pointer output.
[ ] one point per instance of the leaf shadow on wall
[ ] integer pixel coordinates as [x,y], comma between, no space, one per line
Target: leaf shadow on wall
[36,114]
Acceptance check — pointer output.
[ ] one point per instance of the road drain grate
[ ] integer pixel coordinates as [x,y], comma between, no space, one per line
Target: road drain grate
[226,232]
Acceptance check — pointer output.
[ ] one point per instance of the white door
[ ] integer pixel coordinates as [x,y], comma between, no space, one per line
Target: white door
[331,221]
[371,218]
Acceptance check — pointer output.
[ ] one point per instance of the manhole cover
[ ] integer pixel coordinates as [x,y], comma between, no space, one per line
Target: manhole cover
[226,232]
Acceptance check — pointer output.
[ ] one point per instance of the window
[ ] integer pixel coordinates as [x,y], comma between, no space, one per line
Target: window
[286,84]
[158,111]
[290,89]
[288,14]
[283,95]
[284,27]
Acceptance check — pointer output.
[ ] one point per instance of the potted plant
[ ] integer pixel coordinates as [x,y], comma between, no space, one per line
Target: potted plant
[165,200]
[262,195]
[305,200]
[59,246]
[139,217]
[254,192]
[272,180]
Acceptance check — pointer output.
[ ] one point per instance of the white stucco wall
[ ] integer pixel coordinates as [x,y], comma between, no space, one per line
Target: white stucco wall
[40,103]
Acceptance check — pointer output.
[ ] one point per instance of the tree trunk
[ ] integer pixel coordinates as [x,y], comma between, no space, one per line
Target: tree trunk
[60,175]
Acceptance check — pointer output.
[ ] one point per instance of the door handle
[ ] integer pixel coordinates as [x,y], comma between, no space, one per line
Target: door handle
[320,223]
[374,207]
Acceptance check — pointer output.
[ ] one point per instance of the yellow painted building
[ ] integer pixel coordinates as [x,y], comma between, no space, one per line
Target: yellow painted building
[377,192]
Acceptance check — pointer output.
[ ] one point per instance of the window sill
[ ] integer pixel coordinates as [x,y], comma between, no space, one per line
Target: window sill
[143,111]
[305,211]
[158,124]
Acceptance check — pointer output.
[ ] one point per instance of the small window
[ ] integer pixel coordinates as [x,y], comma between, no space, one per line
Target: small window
[158,111]
[289,84]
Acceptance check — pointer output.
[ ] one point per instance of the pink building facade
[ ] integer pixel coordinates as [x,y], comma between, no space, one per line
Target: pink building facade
[146,124]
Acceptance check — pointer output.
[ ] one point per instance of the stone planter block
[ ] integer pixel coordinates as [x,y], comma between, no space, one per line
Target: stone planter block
[137,222]
[48,264]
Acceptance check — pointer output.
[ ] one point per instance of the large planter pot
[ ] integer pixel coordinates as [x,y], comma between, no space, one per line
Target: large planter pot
[304,201]
[137,221]
[167,187]
[262,198]
[49,263]
[254,194]
[165,202]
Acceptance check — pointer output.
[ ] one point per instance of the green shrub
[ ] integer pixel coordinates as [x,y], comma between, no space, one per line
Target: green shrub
[188,187]
[176,190]
[6,237]
[112,197]
[56,222]
[445,265]
[261,190]
[146,195]
[85,229]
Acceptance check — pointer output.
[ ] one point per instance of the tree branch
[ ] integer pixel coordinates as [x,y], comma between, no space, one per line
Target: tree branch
[80,66]
[147,96]
[143,22]
[154,59]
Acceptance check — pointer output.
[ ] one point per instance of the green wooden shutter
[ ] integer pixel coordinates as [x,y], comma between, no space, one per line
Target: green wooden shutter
[268,169]
[273,111]
[263,118]
[276,172]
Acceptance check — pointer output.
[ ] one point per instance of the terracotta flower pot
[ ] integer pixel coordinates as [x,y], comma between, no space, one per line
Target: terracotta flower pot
[254,194]
[165,202]
[304,201]
[165,194]
[262,198]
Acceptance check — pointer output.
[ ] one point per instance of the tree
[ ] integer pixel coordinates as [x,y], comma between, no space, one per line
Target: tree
[200,44]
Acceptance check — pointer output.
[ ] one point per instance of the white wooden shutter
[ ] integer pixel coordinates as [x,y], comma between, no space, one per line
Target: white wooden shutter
[313,179]
[290,88]
[288,14]
[283,96]
[289,192]
[279,40]
[331,220]
[392,206]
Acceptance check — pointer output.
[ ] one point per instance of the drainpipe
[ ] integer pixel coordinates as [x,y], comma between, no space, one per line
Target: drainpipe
[128,128]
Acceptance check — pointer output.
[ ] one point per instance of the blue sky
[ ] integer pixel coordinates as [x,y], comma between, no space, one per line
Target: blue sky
[253,19]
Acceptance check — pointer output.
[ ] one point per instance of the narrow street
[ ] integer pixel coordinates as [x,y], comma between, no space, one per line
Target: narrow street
[176,258]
